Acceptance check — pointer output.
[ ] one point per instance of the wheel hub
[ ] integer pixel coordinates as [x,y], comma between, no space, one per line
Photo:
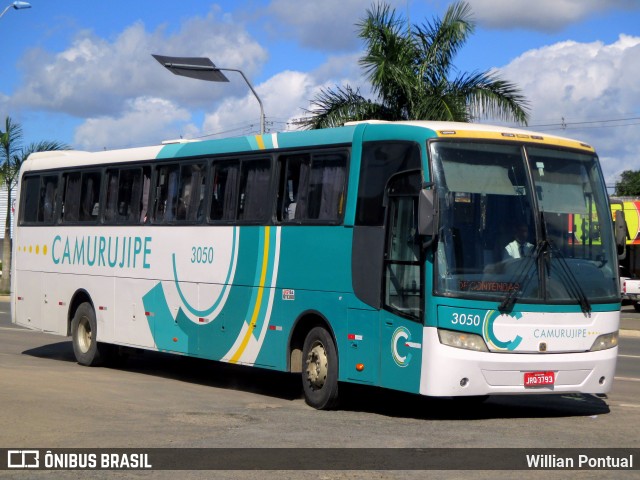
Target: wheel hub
[317,366]
[84,335]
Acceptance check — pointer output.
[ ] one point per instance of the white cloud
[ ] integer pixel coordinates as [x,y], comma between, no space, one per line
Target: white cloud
[327,26]
[98,77]
[127,99]
[144,121]
[586,82]
[284,96]
[543,15]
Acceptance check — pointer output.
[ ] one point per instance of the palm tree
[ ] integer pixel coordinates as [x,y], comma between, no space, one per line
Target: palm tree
[410,70]
[12,154]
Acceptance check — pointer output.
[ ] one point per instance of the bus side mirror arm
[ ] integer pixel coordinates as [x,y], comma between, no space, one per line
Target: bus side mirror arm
[428,217]
[621,234]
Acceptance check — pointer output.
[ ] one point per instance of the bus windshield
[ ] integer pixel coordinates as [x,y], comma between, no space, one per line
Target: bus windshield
[522,223]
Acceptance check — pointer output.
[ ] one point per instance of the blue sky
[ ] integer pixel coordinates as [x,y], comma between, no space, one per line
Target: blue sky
[82,72]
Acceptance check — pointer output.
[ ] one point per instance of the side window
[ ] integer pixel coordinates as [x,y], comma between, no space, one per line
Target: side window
[71,203]
[326,195]
[166,193]
[111,200]
[224,190]
[294,178]
[127,192]
[90,196]
[191,193]
[81,197]
[30,193]
[381,160]
[39,199]
[48,199]
[312,187]
[255,183]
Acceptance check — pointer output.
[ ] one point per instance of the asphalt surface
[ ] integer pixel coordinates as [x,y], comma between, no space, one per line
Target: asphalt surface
[630,320]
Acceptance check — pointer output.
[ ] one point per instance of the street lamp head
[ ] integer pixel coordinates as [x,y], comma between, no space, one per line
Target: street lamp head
[17,6]
[200,68]
[203,68]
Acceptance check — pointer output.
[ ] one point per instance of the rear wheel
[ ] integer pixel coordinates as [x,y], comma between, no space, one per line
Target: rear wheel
[320,370]
[84,329]
[636,305]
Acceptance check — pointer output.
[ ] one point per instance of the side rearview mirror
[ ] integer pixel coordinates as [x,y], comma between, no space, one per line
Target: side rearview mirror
[621,234]
[428,212]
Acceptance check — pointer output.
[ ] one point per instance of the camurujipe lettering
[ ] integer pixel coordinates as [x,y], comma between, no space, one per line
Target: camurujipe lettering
[101,251]
[560,333]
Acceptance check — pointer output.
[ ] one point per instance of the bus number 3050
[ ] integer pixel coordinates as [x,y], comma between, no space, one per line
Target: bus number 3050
[465,319]
[201,254]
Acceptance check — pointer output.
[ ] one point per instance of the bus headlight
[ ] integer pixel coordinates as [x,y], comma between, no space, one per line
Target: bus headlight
[464,340]
[604,342]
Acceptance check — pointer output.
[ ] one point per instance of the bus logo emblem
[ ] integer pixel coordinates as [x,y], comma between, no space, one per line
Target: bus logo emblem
[402,335]
[288,294]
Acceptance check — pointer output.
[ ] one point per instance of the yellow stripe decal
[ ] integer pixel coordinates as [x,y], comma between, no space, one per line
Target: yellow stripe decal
[256,309]
[519,137]
[260,141]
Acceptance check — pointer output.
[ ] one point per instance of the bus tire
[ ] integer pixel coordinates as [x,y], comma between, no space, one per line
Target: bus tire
[320,370]
[84,329]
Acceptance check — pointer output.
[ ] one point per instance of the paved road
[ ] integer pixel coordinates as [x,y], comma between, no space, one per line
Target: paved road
[49,401]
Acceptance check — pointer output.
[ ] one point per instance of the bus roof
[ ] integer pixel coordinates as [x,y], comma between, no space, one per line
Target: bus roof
[485,131]
[339,135]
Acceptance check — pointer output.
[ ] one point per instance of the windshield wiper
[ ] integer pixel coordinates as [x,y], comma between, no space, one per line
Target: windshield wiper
[570,281]
[523,275]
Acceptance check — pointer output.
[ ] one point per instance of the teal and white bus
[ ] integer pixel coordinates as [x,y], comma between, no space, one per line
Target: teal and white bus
[376,253]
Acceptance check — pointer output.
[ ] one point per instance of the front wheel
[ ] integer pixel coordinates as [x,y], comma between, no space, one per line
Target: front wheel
[83,332]
[320,370]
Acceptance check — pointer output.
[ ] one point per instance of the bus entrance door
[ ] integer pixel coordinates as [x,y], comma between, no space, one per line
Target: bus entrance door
[403,298]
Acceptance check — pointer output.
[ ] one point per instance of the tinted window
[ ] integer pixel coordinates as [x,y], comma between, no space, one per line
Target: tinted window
[167,193]
[241,190]
[71,203]
[81,197]
[127,195]
[312,187]
[48,199]
[224,190]
[381,160]
[30,195]
[255,180]
[191,193]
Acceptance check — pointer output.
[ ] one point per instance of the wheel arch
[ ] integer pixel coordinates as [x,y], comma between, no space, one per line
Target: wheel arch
[305,322]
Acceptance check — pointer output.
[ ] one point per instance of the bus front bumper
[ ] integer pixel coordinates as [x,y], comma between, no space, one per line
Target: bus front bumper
[449,371]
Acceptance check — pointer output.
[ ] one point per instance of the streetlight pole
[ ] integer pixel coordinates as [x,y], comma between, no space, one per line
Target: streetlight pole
[203,68]
[16,6]
[254,94]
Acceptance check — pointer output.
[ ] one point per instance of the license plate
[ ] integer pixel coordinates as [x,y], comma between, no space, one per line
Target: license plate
[539,379]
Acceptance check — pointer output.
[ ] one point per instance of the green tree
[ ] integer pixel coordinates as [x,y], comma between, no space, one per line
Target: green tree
[410,70]
[629,184]
[12,154]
